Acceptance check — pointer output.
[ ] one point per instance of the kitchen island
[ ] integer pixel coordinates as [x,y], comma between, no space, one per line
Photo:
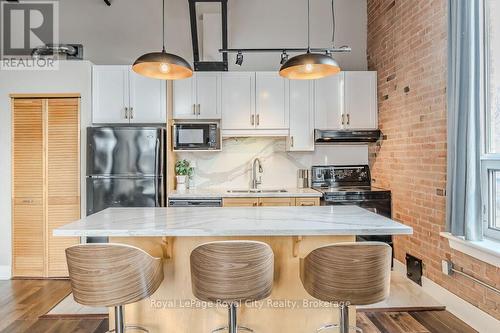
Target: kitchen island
[173,233]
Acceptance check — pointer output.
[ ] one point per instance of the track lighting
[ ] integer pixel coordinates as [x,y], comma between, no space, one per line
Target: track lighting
[284,58]
[239,59]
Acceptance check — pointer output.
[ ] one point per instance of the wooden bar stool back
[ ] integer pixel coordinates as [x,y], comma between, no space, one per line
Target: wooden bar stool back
[112,275]
[232,272]
[348,273]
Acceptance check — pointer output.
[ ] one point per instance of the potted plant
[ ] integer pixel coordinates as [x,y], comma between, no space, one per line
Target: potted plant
[182,170]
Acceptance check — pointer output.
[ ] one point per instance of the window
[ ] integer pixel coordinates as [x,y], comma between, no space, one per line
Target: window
[490,160]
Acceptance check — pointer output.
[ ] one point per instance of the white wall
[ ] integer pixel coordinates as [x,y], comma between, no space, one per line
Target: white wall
[129,28]
[231,168]
[72,77]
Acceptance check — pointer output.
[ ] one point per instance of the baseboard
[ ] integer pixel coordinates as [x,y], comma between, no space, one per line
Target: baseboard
[468,313]
[5,272]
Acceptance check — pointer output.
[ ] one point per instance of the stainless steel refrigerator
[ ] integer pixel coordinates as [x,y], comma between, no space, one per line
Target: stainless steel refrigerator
[125,167]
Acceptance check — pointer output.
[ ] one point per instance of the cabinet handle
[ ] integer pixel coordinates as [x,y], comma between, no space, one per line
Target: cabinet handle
[291,139]
[252,117]
[306,204]
[126,112]
[343,119]
[348,119]
[131,113]
[27,201]
[194,109]
[258,120]
[199,109]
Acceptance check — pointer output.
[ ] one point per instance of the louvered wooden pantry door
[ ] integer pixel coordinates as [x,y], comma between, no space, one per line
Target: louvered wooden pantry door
[28,178]
[46,183]
[63,178]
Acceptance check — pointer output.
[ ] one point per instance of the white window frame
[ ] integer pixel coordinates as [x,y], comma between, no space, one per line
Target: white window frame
[489,162]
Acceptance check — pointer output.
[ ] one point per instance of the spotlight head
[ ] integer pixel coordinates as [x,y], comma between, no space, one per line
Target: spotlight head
[239,58]
[284,58]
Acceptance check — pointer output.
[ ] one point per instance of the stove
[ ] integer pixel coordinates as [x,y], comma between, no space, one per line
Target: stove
[351,185]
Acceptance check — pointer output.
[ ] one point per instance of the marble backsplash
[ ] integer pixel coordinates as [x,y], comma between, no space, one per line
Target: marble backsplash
[232,167]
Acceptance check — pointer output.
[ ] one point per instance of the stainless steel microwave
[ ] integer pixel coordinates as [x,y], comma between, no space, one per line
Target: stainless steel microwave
[196,136]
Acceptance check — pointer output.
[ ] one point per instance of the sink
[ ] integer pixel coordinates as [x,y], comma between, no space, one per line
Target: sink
[258,191]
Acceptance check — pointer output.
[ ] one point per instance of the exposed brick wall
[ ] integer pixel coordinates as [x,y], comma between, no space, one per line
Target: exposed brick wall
[407,45]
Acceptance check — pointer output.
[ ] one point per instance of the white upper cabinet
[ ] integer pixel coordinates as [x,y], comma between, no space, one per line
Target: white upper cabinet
[208,95]
[198,97]
[110,94]
[301,136]
[328,103]
[184,99]
[238,101]
[120,96]
[346,101]
[271,108]
[147,100]
[360,100]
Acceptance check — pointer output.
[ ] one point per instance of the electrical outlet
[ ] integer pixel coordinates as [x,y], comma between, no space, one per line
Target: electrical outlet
[446,267]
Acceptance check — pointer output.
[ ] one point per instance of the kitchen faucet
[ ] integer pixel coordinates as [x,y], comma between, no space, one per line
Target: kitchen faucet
[255,181]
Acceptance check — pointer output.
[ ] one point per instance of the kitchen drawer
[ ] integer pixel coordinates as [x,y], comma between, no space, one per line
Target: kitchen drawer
[306,201]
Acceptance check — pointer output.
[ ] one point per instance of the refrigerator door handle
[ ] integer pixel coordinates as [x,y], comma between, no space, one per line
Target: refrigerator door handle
[157,152]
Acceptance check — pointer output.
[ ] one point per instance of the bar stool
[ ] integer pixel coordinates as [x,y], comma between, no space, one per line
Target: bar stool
[232,272]
[113,275]
[348,273]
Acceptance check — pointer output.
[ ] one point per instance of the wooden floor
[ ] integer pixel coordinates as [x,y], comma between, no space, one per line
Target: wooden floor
[23,303]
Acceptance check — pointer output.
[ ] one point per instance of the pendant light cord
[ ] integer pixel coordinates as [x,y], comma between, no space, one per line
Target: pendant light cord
[163,25]
[333,24]
[308,26]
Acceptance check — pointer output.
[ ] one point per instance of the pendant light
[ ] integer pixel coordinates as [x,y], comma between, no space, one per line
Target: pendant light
[309,66]
[162,65]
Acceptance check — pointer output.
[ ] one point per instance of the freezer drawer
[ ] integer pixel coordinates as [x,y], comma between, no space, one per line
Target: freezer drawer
[103,193]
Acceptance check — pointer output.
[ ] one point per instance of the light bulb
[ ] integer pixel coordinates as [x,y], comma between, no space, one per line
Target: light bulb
[164,68]
[309,68]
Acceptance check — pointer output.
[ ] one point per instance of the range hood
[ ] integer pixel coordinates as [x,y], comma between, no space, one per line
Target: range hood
[345,136]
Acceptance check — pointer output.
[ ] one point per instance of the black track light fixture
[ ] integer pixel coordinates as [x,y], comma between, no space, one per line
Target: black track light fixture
[284,58]
[239,58]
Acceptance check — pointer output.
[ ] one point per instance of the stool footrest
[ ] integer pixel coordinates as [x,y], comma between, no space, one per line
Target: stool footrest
[130,327]
[240,328]
[332,326]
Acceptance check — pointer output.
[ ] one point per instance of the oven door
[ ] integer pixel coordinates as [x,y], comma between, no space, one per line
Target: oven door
[192,137]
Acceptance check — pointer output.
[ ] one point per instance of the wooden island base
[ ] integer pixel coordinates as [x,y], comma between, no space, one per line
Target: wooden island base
[174,309]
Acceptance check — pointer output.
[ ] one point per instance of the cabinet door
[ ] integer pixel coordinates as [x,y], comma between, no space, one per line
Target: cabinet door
[147,100]
[276,202]
[240,202]
[306,201]
[301,116]
[271,109]
[110,94]
[208,95]
[184,99]
[63,178]
[328,103]
[238,100]
[361,100]
[28,213]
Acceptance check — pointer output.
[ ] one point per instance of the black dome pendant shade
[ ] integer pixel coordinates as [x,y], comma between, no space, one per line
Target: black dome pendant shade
[162,65]
[309,66]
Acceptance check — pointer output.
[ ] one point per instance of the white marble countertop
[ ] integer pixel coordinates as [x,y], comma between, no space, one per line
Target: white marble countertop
[223,193]
[233,221]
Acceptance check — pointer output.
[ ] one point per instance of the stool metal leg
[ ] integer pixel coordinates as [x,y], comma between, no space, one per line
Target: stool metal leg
[119,319]
[344,319]
[232,319]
